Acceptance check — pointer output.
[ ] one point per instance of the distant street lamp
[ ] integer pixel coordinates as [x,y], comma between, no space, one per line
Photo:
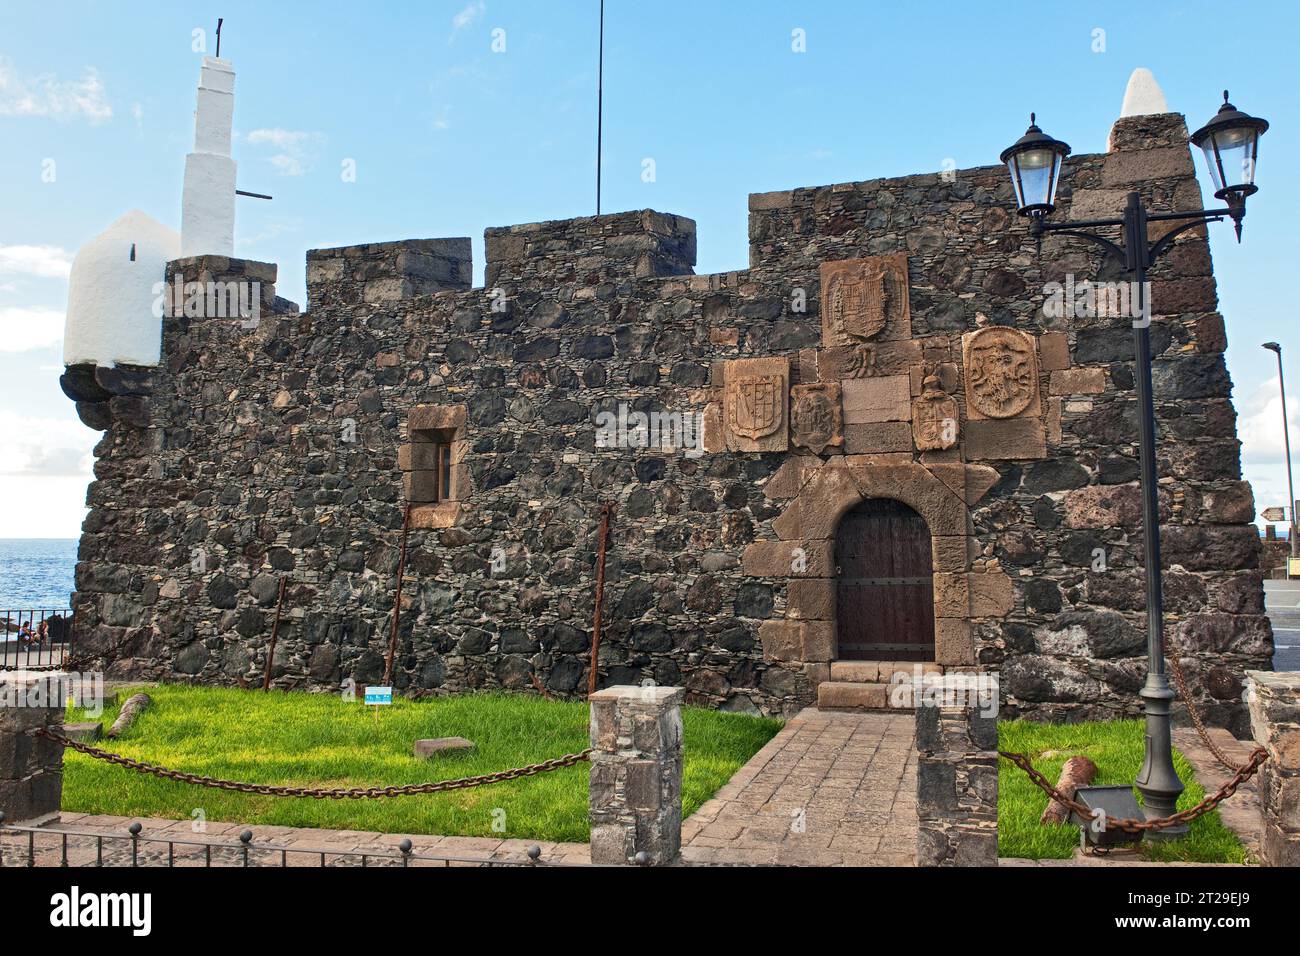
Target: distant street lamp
[1230,142]
[1286,438]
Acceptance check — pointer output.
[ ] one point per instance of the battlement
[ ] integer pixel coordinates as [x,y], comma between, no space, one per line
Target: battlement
[385,272]
[591,249]
[223,287]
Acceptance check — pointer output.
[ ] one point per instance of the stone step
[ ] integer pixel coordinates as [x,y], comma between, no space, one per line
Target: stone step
[854,695]
[878,672]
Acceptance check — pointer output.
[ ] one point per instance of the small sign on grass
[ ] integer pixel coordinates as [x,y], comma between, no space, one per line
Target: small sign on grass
[379,695]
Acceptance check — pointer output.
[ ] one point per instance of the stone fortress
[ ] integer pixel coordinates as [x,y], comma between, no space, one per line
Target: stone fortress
[907,456]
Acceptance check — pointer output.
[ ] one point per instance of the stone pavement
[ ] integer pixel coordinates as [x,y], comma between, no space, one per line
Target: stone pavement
[1240,812]
[831,789]
[301,846]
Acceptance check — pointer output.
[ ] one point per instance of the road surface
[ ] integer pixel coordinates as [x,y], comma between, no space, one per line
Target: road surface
[1282,598]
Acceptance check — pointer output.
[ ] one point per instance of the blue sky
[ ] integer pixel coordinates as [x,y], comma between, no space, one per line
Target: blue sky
[449,137]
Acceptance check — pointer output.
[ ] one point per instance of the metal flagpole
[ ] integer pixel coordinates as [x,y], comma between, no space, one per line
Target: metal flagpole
[600,102]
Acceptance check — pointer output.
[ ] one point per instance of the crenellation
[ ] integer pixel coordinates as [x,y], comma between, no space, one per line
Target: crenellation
[592,249]
[387,273]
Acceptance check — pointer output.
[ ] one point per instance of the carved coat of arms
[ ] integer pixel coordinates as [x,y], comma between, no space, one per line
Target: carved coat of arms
[754,404]
[1001,372]
[861,297]
[816,417]
[935,417]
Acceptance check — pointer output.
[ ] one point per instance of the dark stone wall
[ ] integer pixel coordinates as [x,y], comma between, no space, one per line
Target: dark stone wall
[239,468]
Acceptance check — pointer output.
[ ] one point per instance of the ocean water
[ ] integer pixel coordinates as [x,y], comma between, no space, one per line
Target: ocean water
[36,573]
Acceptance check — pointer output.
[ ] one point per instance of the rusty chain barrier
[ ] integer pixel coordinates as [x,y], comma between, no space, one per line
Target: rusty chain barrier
[1242,772]
[1138,826]
[1180,681]
[317,793]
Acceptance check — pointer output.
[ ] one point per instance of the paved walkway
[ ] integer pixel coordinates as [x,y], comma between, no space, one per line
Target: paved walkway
[219,845]
[831,789]
[1240,812]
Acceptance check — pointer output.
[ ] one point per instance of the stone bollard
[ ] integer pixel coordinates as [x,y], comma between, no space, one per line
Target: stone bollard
[1275,722]
[956,787]
[31,768]
[636,775]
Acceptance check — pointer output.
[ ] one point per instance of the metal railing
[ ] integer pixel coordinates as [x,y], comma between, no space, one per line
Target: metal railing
[35,637]
[27,846]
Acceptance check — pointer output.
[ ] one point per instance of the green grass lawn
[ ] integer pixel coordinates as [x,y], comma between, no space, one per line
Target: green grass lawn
[1116,748]
[320,740]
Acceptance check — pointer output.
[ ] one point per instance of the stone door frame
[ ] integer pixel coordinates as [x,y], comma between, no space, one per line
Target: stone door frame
[819,494]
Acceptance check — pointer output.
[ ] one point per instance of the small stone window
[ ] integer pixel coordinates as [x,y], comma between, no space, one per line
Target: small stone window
[434,479]
[429,480]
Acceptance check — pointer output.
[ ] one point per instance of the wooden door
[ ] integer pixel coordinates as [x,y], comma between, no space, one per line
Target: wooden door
[885,588]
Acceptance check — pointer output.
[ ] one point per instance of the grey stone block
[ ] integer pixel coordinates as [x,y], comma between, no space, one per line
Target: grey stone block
[442,745]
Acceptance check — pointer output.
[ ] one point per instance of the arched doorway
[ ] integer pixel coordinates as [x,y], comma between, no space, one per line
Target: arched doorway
[884,594]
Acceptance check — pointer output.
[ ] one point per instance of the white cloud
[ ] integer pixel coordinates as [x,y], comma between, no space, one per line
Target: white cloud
[137,113]
[44,469]
[468,16]
[50,447]
[279,138]
[22,330]
[296,148]
[43,262]
[42,507]
[1263,451]
[46,95]
[288,165]
[1260,423]
[272,228]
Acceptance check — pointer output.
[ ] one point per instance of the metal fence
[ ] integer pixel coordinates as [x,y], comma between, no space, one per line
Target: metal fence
[35,638]
[25,846]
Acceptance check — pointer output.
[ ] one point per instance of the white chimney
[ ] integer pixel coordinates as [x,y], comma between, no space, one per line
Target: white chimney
[208,202]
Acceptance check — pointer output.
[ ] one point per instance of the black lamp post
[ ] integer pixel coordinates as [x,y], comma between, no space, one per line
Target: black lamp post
[1286,437]
[1230,142]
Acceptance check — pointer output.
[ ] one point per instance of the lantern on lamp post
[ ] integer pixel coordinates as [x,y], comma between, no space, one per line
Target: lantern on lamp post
[1034,161]
[1230,143]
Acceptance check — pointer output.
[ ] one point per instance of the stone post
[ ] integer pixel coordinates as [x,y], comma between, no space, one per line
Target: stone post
[956,787]
[636,775]
[31,768]
[1275,721]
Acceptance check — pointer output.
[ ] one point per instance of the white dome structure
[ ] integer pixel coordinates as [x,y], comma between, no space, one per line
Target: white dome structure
[112,291]
[1143,96]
